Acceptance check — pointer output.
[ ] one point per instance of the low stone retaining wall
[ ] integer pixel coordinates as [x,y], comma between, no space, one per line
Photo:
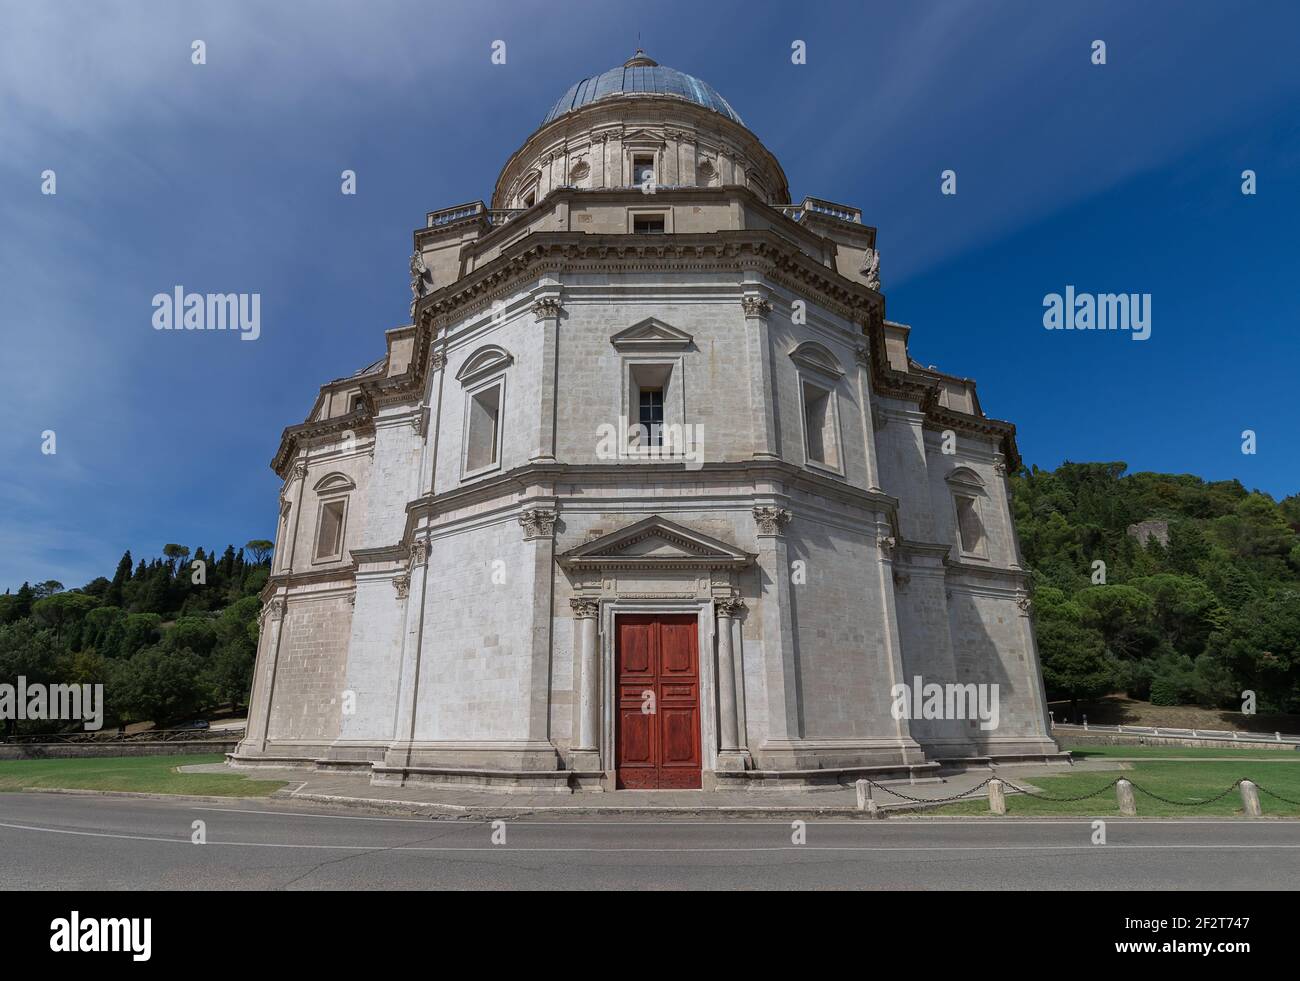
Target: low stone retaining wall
[87,750]
[1075,738]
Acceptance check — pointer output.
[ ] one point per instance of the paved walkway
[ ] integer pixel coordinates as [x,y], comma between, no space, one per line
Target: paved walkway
[355,790]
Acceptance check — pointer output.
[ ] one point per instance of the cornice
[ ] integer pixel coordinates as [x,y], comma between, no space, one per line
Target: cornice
[925,387]
[759,249]
[530,477]
[359,421]
[343,574]
[1017,578]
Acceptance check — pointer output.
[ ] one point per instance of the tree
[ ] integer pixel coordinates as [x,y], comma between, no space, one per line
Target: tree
[47,588]
[120,578]
[193,633]
[261,549]
[175,554]
[1074,662]
[1184,611]
[139,630]
[30,653]
[1261,646]
[158,685]
[1073,656]
[63,613]
[1122,615]
[19,605]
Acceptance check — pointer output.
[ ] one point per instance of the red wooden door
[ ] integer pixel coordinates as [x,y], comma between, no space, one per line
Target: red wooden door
[657,728]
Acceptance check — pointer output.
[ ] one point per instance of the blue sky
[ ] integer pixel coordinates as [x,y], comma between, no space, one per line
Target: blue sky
[225,177]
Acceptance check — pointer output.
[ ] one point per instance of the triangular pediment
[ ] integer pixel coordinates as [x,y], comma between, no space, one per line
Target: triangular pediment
[656,542]
[651,334]
[643,138]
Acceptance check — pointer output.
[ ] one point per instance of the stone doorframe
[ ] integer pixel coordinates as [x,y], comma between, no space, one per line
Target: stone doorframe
[703,611]
[689,573]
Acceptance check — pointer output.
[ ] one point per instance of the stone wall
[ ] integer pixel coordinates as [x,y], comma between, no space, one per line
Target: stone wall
[311,671]
[89,750]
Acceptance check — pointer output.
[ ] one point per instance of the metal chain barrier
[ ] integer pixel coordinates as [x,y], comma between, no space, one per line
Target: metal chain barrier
[1183,803]
[1031,793]
[1277,796]
[931,800]
[1070,800]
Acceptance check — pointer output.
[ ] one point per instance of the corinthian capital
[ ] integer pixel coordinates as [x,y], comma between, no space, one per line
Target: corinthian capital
[537,523]
[546,307]
[419,551]
[756,306]
[584,609]
[730,606]
[273,610]
[771,520]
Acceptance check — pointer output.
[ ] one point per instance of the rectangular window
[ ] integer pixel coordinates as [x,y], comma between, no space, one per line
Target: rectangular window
[650,391]
[969,527]
[648,224]
[484,428]
[643,169]
[652,415]
[282,537]
[819,426]
[329,538]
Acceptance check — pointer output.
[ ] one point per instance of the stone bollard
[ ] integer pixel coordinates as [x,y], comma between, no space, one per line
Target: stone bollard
[997,798]
[864,794]
[1250,799]
[1124,794]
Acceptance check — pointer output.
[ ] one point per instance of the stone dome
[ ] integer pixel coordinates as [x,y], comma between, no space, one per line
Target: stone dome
[641,75]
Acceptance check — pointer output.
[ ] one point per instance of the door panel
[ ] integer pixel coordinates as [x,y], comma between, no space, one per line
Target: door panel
[657,734]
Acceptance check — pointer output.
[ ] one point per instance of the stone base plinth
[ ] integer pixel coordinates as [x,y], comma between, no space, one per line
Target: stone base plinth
[504,781]
[836,754]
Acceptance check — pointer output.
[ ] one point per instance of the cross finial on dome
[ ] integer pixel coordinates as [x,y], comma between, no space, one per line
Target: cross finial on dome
[640,60]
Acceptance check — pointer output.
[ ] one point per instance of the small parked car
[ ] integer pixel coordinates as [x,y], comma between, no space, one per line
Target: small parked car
[192,724]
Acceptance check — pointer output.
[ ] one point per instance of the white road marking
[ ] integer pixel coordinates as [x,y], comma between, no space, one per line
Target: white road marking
[337,817]
[585,850]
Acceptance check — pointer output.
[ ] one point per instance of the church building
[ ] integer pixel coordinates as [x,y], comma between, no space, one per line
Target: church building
[649,493]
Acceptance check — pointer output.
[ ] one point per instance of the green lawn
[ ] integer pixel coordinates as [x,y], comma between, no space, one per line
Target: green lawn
[1188,779]
[141,774]
[1181,752]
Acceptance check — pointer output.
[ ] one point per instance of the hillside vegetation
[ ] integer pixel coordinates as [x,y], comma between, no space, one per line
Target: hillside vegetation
[1203,620]
[168,638]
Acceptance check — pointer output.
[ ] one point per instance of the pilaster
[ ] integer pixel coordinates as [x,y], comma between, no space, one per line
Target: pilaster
[546,310]
[762,378]
[779,656]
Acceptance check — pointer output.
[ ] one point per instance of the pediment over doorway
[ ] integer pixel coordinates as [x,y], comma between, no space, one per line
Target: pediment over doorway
[655,543]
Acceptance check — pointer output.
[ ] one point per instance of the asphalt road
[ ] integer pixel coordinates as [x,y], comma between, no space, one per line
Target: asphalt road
[54,841]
